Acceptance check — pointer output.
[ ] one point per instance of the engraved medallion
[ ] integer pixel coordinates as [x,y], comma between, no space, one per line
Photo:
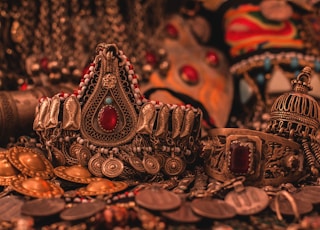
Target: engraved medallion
[7,172]
[75,173]
[161,158]
[213,208]
[112,167]
[80,152]
[95,164]
[82,211]
[150,164]
[10,208]
[136,163]
[174,166]
[102,187]
[37,187]
[158,199]
[248,200]
[183,214]
[43,207]
[30,162]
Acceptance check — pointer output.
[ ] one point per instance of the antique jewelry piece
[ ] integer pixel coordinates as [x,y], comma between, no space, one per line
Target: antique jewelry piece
[108,126]
[264,159]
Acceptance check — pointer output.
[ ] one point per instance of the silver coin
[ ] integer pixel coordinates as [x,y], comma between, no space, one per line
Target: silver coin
[10,208]
[43,207]
[136,163]
[151,164]
[174,166]
[82,211]
[95,164]
[213,208]
[309,194]
[285,207]
[112,167]
[158,199]
[183,214]
[249,201]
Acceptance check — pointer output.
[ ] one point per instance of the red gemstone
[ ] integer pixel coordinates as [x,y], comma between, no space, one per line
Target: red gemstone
[171,31]
[108,118]
[189,74]
[151,58]
[212,58]
[44,64]
[85,70]
[239,159]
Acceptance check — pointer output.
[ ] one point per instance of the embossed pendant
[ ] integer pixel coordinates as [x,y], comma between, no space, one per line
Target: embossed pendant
[102,187]
[151,164]
[7,172]
[75,173]
[112,167]
[95,164]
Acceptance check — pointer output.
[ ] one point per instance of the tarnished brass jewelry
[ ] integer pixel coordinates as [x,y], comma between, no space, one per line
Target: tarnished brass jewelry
[10,207]
[8,173]
[150,164]
[37,187]
[157,199]
[80,152]
[102,187]
[183,214]
[43,207]
[112,167]
[174,166]
[136,163]
[30,162]
[75,173]
[309,194]
[247,200]
[213,208]
[95,164]
[82,211]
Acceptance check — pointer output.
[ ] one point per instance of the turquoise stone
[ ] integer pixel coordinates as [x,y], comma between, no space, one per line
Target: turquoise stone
[267,64]
[294,63]
[108,100]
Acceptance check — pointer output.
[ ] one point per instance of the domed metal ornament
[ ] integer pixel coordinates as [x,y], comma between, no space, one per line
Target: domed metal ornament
[296,115]
[30,162]
[102,187]
[75,173]
[7,172]
[37,187]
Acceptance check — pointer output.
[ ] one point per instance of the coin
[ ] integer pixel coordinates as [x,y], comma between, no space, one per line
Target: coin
[82,211]
[157,199]
[136,163]
[151,164]
[248,201]
[94,164]
[183,214]
[174,166]
[10,208]
[112,167]
[213,208]
[309,194]
[43,207]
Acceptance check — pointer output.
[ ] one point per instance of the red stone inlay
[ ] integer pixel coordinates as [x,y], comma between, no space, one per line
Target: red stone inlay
[239,158]
[189,74]
[171,31]
[108,118]
[151,58]
[212,58]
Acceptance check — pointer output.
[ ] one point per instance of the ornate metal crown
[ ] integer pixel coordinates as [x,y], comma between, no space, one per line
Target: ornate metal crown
[108,126]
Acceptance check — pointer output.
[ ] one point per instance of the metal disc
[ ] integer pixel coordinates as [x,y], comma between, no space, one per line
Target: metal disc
[102,187]
[80,152]
[158,199]
[136,163]
[174,166]
[75,173]
[183,214]
[161,158]
[10,208]
[112,167]
[214,208]
[82,211]
[309,194]
[151,164]
[94,165]
[249,201]
[285,207]
[30,162]
[43,207]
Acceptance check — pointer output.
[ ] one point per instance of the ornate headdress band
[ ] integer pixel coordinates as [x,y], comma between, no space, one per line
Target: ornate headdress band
[110,127]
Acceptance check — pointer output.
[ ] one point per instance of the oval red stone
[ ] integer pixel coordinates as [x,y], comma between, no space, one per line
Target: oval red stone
[151,58]
[108,118]
[239,159]
[171,31]
[189,74]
